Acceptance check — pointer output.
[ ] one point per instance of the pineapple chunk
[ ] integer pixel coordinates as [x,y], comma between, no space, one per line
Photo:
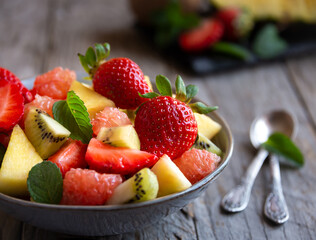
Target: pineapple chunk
[170,178]
[148,82]
[93,101]
[207,126]
[18,160]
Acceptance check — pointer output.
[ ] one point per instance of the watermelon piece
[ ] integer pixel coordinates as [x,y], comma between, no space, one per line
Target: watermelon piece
[105,158]
[195,164]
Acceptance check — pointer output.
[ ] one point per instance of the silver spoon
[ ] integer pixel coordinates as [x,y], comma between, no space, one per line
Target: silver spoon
[262,127]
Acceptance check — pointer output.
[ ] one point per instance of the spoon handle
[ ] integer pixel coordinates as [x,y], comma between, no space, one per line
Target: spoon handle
[237,199]
[275,207]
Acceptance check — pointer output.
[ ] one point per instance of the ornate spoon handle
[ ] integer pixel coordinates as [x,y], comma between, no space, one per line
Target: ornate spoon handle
[275,207]
[237,199]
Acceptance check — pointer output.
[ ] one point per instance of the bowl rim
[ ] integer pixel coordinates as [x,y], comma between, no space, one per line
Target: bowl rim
[200,184]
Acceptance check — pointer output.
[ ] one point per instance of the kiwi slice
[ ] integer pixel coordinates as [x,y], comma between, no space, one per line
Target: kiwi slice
[203,142]
[141,187]
[122,136]
[45,133]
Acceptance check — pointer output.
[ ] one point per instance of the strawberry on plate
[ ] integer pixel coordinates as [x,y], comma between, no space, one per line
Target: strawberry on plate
[11,105]
[7,76]
[70,155]
[237,22]
[108,159]
[119,79]
[87,187]
[203,36]
[55,83]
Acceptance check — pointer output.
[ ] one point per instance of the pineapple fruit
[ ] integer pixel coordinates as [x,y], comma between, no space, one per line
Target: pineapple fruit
[18,160]
[207,126]
[93,101]
[170,178]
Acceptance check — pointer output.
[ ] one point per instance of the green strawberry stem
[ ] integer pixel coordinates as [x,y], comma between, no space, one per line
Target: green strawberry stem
[94,58]
[183,93]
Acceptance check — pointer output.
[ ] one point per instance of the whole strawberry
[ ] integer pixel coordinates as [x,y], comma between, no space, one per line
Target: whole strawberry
[237,22]
[7,76]
[166,125]
[203,36]
[119,79]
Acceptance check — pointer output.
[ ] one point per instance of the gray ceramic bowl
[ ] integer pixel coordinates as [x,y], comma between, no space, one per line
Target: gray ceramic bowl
[114,219]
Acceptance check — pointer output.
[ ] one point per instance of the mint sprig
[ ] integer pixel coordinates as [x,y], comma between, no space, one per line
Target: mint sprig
[45,183]
[280,144]
[73,115]
[183,93]
[234,50]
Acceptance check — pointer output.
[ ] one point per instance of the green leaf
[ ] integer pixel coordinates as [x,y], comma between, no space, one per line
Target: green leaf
[45,183]
[91,57]
[100,51]
[233,50]
[73,115]
[191,91]
[84,63]
[2,152]
[280,144]
[268,43]
[202,108]
[181,92]
[107,49]
[149,95]
[163,85]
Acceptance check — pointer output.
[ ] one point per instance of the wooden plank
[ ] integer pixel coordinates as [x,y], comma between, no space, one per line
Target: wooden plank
[10,229]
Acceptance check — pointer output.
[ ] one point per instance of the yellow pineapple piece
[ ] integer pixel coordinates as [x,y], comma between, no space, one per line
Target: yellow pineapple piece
[148,82]
[93,101]
[18,160]
[207,126]
[170,178]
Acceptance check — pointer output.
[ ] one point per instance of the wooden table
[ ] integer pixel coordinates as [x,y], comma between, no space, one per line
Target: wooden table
[38,35]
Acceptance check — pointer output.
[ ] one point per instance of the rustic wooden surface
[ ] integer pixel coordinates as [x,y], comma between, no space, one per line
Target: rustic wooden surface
[38,35]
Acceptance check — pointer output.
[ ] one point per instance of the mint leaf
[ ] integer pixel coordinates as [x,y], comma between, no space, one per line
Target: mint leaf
[233,50]
[181,92]
[268,43]
[280,144]
[45,183]
[199,107]
[2,153]
[163,85]
[73,115]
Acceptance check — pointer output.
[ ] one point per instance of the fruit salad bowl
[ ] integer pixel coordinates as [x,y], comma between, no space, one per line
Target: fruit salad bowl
[114,219]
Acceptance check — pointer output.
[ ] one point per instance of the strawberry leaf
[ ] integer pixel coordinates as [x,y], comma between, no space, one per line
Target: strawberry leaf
[191,91]
[45,183]
[84,62]
[149,95]
[163,85]
[202,108]
[181,92]
[73,115]
[280,144]
[91,57]
[100,51]
[107,49]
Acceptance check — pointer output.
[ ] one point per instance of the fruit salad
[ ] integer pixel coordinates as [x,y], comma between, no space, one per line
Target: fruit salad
[115,141]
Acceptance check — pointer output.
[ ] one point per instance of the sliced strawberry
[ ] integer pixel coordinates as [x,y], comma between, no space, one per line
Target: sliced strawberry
[71,155]
[11,105]
[6,75]
[87,187]
[207,33]
[109,117]
[105,158]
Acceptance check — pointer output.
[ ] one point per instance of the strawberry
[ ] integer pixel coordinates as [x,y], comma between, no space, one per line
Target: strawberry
[119,79]
[70,155]
[11,105]
[166,125]
[87,187]
[197,39]
[108,159]
[6,75]
[109,117]
[237,22]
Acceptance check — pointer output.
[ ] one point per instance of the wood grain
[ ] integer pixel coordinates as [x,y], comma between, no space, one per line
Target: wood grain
[54,35]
